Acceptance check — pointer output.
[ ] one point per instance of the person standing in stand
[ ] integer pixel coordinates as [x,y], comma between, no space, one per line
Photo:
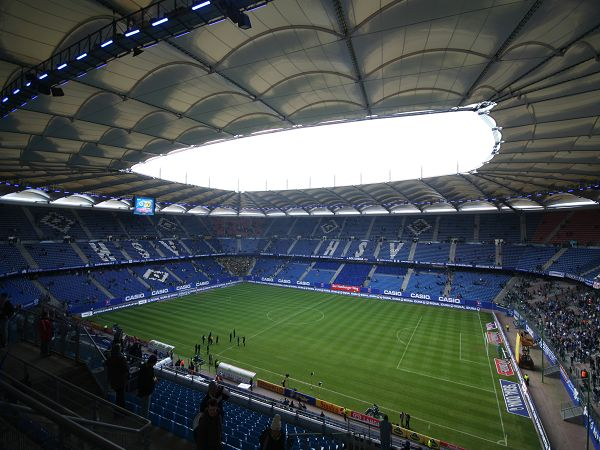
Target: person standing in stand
[118,373]
[45,332]
[146,383]
[385,433]
[208,427]
[6,312]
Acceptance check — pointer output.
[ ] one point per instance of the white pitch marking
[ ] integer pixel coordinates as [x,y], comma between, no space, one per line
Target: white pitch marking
[409,341]
[493,383]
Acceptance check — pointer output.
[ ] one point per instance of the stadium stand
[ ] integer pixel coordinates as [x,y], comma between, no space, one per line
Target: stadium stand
[293,270]
[280,246]
[460,227]
[388,277]
[507,228]
[322,272]
[55,255]
[12,259]
[427,281]
[483,254]
[353,274]
[581,228]
[477,286]
[436,252]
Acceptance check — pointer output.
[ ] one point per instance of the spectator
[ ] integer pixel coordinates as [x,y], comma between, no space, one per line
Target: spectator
[45,333]
[273,438]
[118,373]
[146,383]
[216,392]
[208,427]
[385,433]
[6,312]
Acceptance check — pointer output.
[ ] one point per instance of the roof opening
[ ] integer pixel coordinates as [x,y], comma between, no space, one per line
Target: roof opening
[336,154]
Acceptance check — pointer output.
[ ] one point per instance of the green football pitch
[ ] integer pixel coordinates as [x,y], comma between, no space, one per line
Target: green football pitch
[430,362]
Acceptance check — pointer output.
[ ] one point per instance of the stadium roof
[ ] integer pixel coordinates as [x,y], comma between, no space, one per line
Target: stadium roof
[288,63]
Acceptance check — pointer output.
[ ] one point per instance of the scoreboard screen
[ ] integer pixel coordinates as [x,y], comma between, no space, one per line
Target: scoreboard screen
[143,206]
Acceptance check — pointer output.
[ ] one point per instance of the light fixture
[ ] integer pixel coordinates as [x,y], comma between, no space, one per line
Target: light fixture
[62,66]
[106,44]
[158,22]
[200,5]
[42,76]
[80,57]
[16,91]
[131,33]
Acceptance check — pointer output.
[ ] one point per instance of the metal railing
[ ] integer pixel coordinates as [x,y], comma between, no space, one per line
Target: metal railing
[89,411]
[49,426]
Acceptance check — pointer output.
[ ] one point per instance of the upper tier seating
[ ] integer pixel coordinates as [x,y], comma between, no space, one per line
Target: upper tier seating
[432,252]
[12,260]
[459,227]
[495,226]
[54,255]
[583,227]
[482,254]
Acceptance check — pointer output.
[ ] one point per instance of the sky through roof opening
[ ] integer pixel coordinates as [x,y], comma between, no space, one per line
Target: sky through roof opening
[336,154]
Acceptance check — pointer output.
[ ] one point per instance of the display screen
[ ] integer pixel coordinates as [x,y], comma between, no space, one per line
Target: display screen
[143,206]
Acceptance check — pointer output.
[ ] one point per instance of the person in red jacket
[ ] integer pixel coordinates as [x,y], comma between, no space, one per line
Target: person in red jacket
[45,333]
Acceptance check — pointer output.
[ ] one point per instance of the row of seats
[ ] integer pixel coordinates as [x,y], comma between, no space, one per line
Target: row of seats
[173,408]
[36,223]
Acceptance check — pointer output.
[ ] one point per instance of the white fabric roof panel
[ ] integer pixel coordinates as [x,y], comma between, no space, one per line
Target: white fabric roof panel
[303,62]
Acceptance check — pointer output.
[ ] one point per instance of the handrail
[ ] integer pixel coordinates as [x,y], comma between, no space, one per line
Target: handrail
[70,425]
[93,342]
[85,393]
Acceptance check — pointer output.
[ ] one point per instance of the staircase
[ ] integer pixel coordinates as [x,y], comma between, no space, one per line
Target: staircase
[377,250]
[31,219]
[337,272]
[448,286]
[452,254]
[27,256]
[407,279]
[554,258]
[80,253]
[140,279]
[413,249]
[101,288]
[370,276]
[308,269]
